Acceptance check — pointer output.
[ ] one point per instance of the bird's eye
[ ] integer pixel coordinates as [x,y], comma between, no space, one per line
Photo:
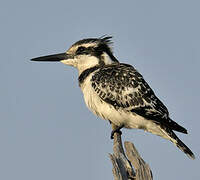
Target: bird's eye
[80,50]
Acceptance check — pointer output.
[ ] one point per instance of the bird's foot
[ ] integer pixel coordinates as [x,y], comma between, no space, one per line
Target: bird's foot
[117,130]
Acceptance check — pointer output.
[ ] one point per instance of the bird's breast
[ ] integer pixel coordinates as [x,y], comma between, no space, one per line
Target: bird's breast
[97,105]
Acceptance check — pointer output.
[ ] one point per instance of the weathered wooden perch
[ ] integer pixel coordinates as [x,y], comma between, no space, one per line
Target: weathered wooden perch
[122,165]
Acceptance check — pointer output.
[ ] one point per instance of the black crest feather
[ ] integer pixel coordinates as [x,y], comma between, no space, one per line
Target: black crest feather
[102,40]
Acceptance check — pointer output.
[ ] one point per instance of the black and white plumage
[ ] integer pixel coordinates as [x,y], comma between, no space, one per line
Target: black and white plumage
[117,92]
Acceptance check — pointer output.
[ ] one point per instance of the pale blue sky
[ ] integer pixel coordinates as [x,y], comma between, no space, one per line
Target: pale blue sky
[46,131]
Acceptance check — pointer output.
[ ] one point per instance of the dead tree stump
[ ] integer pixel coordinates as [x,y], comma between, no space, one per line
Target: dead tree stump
[123,163]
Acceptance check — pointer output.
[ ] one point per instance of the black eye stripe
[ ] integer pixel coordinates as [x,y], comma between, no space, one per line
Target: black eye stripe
[95,51]
[80,50]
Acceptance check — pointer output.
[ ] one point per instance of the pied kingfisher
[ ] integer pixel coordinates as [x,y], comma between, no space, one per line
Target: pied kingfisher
[117,92]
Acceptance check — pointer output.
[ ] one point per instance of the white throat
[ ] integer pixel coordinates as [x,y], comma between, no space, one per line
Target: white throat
[86,62]
[82,62]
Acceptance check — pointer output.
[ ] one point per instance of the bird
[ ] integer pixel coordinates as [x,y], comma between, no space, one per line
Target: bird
[116,91]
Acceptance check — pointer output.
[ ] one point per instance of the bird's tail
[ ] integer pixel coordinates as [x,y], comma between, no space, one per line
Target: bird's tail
[179,143]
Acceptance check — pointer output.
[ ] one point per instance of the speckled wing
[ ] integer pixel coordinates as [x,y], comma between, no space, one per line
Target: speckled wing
[123,87]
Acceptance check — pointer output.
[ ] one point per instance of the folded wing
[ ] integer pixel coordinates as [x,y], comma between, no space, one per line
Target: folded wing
[123,87]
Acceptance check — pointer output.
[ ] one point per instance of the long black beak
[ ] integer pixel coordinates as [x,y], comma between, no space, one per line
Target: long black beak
[52,58]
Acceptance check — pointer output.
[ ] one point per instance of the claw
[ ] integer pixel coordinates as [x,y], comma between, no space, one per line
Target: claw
[117,130]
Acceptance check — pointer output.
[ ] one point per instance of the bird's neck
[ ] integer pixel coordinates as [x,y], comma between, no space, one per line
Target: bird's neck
[88,62]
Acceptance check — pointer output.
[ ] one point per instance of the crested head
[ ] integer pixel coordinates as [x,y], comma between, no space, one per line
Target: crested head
[87,53]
